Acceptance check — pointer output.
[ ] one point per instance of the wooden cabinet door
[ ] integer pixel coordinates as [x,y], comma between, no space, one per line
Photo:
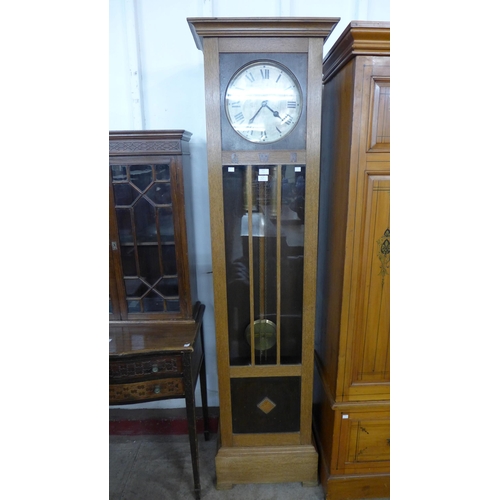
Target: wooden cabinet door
[366,375]
[364,441]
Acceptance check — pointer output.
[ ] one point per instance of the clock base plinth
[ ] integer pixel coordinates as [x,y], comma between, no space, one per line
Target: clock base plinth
[270,464]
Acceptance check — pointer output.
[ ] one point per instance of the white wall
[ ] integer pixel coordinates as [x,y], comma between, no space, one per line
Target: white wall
[156,82]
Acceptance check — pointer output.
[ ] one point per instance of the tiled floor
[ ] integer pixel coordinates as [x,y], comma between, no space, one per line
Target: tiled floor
[159,467]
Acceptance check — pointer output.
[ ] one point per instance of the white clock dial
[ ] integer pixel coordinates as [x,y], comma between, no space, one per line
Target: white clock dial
[263,102]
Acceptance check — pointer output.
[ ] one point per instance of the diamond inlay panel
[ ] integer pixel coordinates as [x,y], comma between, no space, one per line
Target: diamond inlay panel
[266,405]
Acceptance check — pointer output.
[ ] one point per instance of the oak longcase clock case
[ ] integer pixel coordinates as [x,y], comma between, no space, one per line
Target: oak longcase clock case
[263,109]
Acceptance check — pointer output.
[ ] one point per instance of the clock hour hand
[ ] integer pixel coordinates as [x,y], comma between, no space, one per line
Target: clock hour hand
[264,103]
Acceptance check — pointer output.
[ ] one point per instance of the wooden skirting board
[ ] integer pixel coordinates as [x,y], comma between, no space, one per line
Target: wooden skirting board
[171,421]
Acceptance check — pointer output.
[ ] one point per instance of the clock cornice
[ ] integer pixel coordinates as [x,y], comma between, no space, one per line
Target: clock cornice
[202,27]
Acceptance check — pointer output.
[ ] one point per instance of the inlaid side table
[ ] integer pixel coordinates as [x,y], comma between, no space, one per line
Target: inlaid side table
[157,360]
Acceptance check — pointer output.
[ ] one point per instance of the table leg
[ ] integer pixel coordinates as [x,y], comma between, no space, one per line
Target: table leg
[191,418]
[203,387]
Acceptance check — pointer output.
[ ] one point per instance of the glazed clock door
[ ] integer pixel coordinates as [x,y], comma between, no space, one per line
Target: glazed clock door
[264,254]
[264,235]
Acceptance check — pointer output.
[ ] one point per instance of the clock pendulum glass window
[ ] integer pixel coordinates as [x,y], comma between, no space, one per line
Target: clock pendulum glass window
[264,216]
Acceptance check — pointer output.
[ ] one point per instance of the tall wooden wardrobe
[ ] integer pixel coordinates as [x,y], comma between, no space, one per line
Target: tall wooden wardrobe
[351,402]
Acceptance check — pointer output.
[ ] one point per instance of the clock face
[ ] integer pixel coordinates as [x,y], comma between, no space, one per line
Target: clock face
[263,102]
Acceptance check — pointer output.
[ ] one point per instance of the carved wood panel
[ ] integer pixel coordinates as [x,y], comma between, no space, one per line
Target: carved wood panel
[364,440]
[379,122]
[371,353]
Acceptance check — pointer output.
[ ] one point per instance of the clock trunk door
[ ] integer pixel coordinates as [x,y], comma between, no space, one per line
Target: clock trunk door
[264,236]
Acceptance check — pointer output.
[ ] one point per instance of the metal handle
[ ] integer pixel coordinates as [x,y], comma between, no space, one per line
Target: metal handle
[114,246]
[157,389]
[154,369]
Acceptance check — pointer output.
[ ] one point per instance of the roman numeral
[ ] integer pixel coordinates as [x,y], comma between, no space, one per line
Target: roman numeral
[292,104]
[236,104]
[265,74]
[278,78]
[239,117]
[250,77]
[288,119]
[263,135]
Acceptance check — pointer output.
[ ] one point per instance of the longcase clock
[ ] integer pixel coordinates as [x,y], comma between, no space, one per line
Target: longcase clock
[263,110]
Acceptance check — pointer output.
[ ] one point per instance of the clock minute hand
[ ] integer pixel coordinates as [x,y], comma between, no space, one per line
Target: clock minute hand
[264,103]
[275,113]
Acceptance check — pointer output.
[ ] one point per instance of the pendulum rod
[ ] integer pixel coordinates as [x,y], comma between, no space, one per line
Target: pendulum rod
[262,257]
[248,187]
[277,202]
[262,270]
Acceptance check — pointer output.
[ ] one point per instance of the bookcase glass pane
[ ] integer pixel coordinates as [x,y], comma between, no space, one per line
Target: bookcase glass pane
[153,302]
[124,222]
[125,194]
[149,263]
[166,219]
[173,306]
[141,176]
[162,172]
[168,287]
[119,173]
[135,288]
[159,194]
[145,221]
[128,260]
[169,261]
